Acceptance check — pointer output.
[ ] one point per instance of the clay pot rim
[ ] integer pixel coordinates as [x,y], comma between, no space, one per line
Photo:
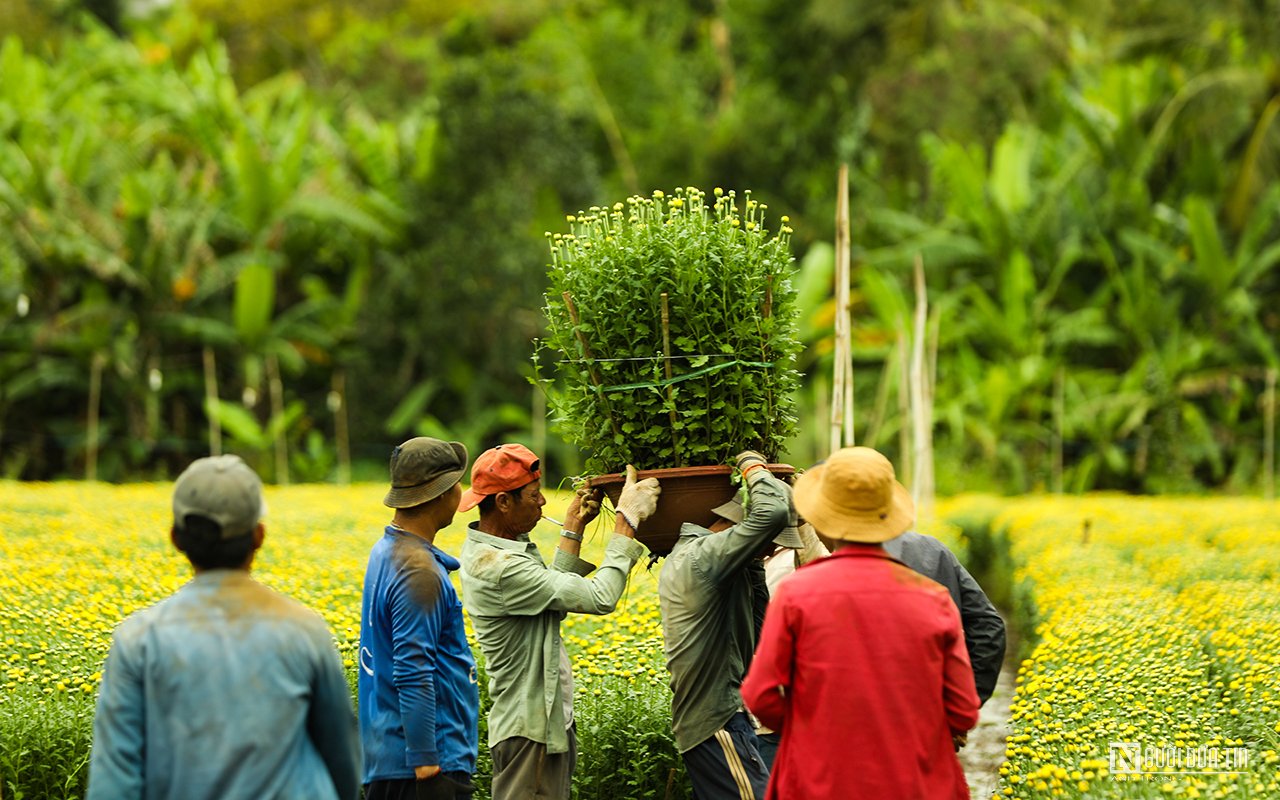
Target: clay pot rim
[681,472]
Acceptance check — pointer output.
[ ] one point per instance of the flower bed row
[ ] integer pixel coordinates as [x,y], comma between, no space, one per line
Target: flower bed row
[1159,625]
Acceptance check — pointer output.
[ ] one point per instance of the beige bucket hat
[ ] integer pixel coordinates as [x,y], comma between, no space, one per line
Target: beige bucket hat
[854,496]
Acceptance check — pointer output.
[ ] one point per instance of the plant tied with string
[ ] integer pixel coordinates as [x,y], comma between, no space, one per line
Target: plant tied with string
[673,325]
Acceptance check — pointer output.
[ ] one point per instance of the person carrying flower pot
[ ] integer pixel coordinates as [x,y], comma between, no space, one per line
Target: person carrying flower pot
[862,663]
[712,593]
[516,603]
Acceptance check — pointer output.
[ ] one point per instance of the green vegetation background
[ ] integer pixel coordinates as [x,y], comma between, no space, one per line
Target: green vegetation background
[336,211]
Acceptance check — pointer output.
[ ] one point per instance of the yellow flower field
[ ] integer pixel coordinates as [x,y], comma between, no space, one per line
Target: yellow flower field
[1159,626]
[81,557]
[1157,623]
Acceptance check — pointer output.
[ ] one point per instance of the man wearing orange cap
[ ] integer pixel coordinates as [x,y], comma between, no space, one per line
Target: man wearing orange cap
[862,662]
[516,602]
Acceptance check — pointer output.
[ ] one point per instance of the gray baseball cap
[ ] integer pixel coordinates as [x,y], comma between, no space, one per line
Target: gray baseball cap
[787,537]
[222,489]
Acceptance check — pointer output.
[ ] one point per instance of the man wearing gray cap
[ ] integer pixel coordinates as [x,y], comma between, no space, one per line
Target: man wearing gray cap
[226,688]
[418,695]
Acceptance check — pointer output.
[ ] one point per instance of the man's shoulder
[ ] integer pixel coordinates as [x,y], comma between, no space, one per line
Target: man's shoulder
[921,551]
[921,541]
[910,578]
[488,561]
[136,624]
[834,567]
[269,603]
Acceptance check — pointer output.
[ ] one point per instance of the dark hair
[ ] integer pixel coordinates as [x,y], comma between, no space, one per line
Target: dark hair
[201,539]
[490,503]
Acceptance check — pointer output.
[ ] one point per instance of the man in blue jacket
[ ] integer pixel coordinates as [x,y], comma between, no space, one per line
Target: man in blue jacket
[418,695]
[226,688]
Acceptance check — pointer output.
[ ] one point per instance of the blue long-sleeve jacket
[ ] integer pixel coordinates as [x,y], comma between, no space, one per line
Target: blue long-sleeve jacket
[225,689]
[418,696]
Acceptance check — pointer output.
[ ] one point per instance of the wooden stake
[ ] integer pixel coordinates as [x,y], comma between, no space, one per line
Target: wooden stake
[666,362]
[151,406]
[922,482]
[904,406]
[880,411]
[340,430]
[766,311]
[1269,437]
[842,381]
[276,387]
[538,419]
[1059,428]
[586,353]
[211,396]
[95,404]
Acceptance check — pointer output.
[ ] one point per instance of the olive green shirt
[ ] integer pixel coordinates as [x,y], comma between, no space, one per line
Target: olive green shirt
[712,591]
[515,602]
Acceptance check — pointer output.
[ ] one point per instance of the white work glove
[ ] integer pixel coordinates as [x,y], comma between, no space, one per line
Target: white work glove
[639,499]
[748,459]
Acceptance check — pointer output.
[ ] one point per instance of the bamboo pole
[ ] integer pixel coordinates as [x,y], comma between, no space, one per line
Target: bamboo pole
[340,430]
[842,379]
[880,410]
[766,312]
[95,407]
[1269,437]
[904,406]
[538,420]
[151,407]
[721,41]
[1059,428]
[276,387]
[922,481]
[211,396]
[586,353]
[817,433]
[666,363]
[848,317]
[930,386]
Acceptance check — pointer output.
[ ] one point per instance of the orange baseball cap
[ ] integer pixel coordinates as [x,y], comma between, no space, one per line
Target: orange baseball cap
[504,468]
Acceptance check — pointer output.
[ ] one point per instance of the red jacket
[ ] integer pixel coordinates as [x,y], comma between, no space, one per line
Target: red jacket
[862,667]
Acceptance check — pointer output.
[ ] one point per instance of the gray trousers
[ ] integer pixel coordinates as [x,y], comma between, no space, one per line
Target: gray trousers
[523,769]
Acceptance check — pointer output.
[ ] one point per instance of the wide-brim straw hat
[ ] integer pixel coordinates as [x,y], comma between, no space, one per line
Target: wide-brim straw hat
[854,496]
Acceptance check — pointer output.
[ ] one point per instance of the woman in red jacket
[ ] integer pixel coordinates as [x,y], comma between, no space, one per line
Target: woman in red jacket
[862,662]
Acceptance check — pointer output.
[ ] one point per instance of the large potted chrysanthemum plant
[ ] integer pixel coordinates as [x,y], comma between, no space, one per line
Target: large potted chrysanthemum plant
[671,323]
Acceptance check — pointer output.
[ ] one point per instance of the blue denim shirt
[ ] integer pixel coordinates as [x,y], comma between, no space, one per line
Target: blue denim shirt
[225,689]
[418,694]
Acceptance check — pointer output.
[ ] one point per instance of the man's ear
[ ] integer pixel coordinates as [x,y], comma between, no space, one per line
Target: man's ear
[504,502]
[173,538]
[259,533]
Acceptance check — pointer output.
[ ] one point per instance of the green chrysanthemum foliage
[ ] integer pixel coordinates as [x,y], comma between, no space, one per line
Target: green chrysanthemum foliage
[720,378]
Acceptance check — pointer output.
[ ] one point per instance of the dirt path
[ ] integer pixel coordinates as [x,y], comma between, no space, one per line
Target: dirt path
[984,753]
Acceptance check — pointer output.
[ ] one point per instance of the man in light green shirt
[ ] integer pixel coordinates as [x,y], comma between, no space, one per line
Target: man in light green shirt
[516,602]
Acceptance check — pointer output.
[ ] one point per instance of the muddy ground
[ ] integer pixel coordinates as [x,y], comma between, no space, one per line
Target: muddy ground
[984,753]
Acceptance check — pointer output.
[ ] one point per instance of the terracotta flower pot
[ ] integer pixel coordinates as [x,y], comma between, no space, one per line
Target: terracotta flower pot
[688,495]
